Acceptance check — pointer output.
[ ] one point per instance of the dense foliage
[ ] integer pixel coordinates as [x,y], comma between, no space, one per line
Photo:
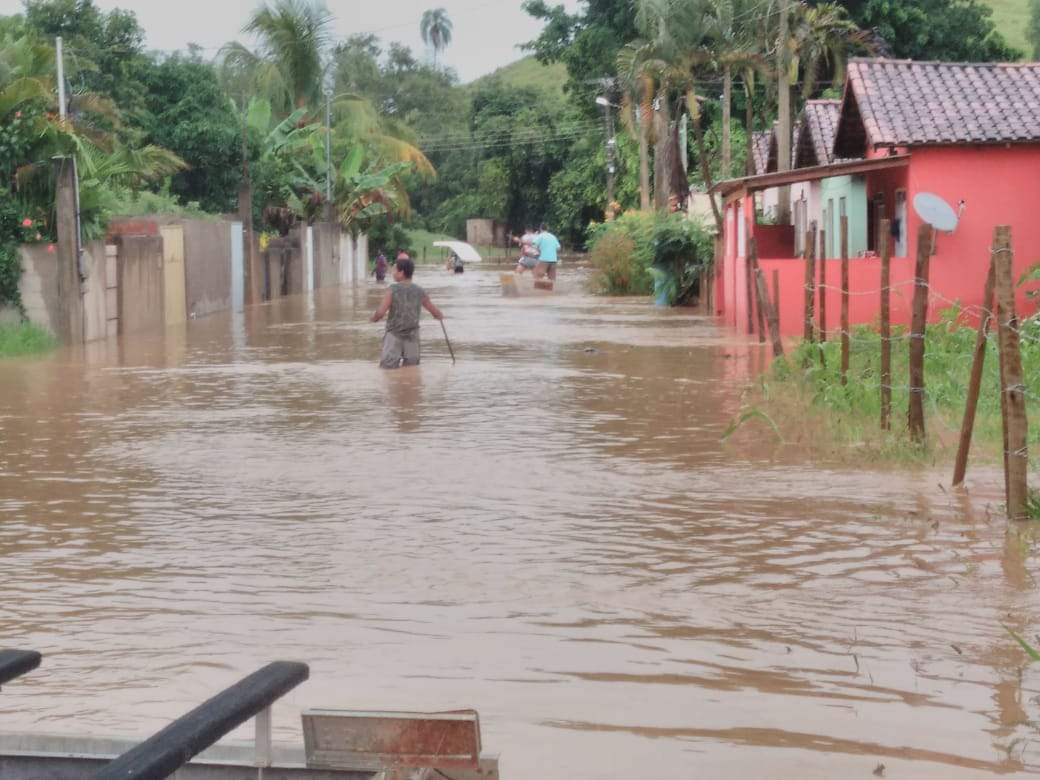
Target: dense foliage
[643,252]
[951,30]
[181,132]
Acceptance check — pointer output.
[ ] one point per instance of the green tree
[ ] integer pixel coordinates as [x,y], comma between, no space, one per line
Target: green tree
[822,37]
[288,66]
[951,30]
[587,42]
[187,112]
[436,29]
[738,44]
[104,51]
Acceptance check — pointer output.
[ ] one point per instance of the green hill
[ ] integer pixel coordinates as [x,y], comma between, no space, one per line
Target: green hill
[1012,19]
[528,72]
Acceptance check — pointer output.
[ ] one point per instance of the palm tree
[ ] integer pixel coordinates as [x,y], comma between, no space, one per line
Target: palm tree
[637,111]
[672,54]
[436,29]
[737,41]
[288,66]
[822,37]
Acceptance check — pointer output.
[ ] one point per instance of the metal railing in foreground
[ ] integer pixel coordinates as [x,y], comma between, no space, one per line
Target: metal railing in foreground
[186,737]
[15,663]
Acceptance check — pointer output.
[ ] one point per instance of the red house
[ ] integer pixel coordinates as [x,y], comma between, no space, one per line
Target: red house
[968,133]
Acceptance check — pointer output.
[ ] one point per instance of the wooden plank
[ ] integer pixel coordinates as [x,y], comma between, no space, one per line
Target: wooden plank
[345,739]
[823,286]
[844,300]
[809,330]
[1013,389]
[886,325]
[978,360]
[919,319]
[770,310]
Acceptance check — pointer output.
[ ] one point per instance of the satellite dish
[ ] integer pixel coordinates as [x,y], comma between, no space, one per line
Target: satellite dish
[935,211]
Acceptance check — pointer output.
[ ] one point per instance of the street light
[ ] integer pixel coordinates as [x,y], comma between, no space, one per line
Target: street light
[611,145]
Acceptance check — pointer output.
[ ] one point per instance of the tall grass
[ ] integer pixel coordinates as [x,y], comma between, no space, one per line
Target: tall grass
[854,410]
[24,339]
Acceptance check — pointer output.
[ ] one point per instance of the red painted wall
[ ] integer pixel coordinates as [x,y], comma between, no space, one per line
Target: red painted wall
[1000,186]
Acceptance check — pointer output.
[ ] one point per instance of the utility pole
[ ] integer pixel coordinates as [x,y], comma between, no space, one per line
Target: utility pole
[611,146]
[61,77]
[328,153]
[66,208]
[783,146]
[611,150]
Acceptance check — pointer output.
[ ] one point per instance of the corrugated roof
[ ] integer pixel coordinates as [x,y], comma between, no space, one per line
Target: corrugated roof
[906,103]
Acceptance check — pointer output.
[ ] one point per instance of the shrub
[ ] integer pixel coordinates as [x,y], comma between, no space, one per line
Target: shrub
[643,251]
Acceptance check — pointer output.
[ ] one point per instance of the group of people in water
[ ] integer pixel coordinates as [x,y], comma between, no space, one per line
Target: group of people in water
[405,300]
[539,252]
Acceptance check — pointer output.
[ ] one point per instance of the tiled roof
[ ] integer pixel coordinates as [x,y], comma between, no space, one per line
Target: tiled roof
[814,144]
[905,103]
[760,140]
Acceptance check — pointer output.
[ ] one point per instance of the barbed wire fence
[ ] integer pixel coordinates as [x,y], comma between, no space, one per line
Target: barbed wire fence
[998,329]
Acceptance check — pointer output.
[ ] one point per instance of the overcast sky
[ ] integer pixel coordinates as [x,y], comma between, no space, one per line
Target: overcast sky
[486,31]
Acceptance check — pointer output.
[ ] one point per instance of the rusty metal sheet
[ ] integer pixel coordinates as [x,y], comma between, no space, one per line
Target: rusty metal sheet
[352,739]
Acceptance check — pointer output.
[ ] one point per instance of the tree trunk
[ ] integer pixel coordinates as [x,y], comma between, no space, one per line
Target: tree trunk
[702,157]
[727,101]
[663,148]
[644,162]
[749,122]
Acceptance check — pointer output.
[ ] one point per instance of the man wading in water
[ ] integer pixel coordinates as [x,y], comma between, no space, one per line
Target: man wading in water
[403,301]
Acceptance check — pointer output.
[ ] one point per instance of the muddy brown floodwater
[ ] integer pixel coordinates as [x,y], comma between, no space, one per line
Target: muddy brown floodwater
[549,531]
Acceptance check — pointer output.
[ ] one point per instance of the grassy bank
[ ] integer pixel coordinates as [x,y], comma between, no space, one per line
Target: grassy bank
[804,398]
[24,339]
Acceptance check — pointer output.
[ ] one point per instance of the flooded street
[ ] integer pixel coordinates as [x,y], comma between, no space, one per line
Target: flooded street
[550,531]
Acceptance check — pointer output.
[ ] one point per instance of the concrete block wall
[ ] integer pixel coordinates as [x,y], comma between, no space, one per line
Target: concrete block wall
[140,264]
[123,290]
[39,286]
[95,290]
[207,266]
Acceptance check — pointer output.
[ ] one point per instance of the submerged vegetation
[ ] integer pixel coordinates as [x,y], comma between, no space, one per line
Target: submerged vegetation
[24,339]
[805,388]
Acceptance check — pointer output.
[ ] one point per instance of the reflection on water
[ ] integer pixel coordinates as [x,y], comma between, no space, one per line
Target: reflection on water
[549,531]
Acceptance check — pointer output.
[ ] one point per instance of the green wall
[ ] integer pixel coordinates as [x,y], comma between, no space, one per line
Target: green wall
[854,190]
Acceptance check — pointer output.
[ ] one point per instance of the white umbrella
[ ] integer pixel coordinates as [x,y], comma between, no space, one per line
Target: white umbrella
[465,252]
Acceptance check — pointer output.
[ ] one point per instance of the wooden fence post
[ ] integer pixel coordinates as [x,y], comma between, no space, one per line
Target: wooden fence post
[809,334]
[748,292]
[844,300]
[886,326]
[776,296]
[1013,386]
[960,466]
[919,320]
[760,321]
[823,285]
[769,311]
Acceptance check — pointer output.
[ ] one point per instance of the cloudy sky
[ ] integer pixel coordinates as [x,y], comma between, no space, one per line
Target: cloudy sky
[486,31]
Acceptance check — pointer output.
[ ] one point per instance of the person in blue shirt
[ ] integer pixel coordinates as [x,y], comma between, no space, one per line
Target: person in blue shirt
[548,253]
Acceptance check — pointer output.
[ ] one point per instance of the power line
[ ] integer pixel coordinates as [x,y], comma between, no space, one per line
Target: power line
[492,135]
[526,141]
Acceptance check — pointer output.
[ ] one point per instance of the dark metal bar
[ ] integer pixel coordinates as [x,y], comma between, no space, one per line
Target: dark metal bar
[174,746]
[15,663]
